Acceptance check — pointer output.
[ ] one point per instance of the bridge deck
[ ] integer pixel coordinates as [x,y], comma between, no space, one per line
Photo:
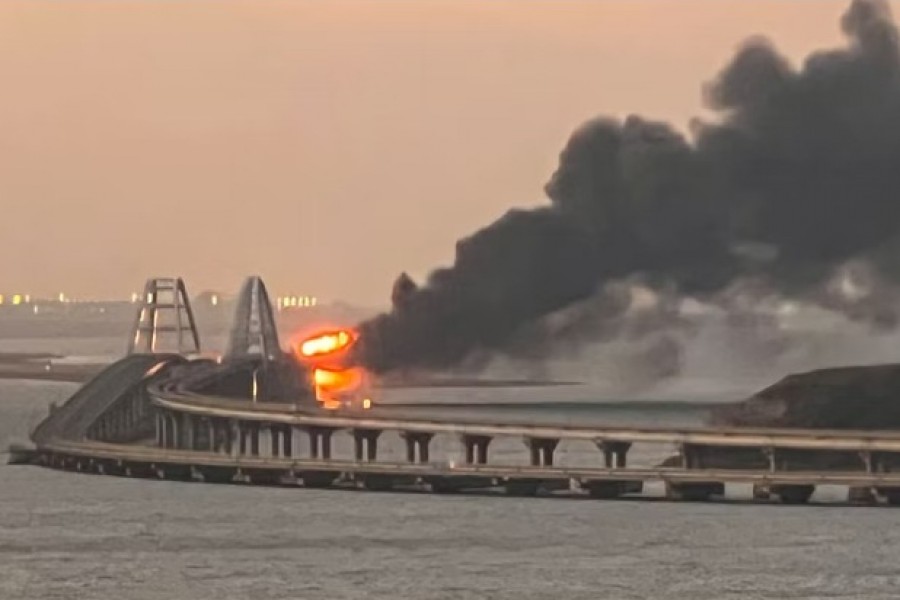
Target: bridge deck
[800,439]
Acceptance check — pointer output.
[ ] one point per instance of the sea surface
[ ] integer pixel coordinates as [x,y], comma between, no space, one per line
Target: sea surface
[72,536]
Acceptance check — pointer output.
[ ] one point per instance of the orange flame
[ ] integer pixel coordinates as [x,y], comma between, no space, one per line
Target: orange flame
[344,380]
[327,343]
[335,383]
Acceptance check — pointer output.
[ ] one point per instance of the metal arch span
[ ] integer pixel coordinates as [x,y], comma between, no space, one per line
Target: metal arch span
[253,332]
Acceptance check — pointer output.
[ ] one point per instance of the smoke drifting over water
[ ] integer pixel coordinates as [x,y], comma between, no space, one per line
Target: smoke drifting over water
[792,194]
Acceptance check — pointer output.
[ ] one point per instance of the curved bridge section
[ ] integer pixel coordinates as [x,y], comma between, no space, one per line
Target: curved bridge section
[112,406]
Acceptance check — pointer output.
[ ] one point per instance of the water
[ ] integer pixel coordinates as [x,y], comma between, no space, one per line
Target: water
[65,535]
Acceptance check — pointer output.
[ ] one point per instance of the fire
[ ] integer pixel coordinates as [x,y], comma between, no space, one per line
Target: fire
[327,343]
[344,380]
[334,381]
[330,384]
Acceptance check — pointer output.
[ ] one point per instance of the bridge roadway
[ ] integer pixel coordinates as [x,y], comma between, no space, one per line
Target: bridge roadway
[73,419]
[796,439]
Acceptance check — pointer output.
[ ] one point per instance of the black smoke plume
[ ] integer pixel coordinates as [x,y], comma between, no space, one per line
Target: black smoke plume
[799,174]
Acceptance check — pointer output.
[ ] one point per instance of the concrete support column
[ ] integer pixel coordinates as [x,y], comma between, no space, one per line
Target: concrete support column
[866,458]
[614,453]
[417,446]
[188,422]
[542,451]
[223,429]
[264,439]
[769,453]
[174,431]
[320,442]
[690,456]
[254,438]
[159,431]
[244,444]
[476,448]
[234,438]
[365,444]
[212,434]
[275,440]
[163,429]
[287,441]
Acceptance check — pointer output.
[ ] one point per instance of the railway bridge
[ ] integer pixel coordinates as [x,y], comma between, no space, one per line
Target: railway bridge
[250,417]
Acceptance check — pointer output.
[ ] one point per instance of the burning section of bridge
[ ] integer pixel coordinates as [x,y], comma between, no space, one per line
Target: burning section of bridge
[337,384]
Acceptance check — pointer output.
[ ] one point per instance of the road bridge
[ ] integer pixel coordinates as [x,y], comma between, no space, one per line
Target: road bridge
[188,418]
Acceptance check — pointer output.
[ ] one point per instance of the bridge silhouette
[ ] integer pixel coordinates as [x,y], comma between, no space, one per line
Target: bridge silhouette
[250,415]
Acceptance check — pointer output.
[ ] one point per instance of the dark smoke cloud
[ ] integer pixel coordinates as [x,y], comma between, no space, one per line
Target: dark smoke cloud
[799,174]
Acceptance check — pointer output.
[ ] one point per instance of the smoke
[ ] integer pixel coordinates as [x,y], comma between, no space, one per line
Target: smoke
[794,187]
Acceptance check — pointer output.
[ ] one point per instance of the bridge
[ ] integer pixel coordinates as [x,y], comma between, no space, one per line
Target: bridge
[250,417]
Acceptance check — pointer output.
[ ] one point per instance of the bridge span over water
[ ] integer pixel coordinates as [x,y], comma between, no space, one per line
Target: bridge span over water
[250,416]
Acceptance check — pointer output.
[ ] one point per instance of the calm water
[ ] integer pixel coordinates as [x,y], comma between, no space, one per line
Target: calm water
[82,537]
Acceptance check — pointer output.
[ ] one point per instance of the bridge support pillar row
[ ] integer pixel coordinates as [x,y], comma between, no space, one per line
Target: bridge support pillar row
[365,444]
[320,442]
[417,446]
[614,453]
[476,448]
[541,451]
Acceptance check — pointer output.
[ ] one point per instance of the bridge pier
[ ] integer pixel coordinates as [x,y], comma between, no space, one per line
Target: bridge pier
[244,444]
[476,448]
[235,439]
[254,438]
[265,439]
[207,434]
[614,453]
[417,446]
[691,456]
[365,444]
[169,430]
[189,427]
[287,441]
[174,431]
[541,450]
[274,440]
[320,442]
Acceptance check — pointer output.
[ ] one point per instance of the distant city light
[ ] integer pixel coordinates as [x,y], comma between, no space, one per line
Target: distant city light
[62,297]
[296,301]
[134,297]
[214,300]
[2,299]
[17,299]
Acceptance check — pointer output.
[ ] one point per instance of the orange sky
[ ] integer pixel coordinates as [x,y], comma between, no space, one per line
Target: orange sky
[324,145]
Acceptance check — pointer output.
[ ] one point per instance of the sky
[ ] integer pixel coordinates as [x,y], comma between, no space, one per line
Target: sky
[326,146]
